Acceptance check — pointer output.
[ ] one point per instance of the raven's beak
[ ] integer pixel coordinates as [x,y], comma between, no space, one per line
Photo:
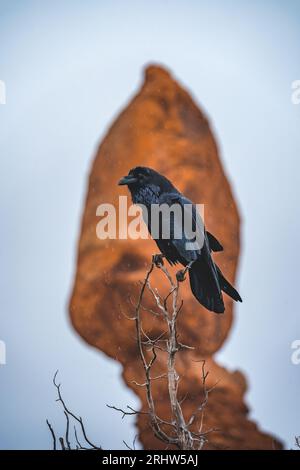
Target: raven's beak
[127,180]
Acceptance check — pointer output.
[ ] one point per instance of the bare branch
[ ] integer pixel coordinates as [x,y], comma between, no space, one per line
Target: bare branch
[66,444]
[52,433]
[67,430]
[181,436]
[179,432]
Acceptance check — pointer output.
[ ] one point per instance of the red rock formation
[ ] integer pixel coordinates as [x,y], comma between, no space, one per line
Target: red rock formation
[162,128]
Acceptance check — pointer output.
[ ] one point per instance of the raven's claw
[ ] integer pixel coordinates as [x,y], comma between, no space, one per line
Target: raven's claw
[158,260]
[180,275]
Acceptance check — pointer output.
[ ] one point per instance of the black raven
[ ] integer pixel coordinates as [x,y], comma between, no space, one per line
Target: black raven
[148,188]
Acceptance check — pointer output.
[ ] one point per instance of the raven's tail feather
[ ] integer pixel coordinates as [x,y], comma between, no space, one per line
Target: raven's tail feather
[205,287]
[227,287]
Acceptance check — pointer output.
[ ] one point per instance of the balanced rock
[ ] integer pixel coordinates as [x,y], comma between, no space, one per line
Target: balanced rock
[163,128]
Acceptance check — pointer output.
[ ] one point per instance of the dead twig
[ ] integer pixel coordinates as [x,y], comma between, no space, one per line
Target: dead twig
[65,443]
[180,434]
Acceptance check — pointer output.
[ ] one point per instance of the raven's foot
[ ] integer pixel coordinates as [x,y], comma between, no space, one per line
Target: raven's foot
[180,275]
[158,260]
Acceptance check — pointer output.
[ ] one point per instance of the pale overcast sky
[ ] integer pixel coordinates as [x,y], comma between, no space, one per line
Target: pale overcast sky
[69,67]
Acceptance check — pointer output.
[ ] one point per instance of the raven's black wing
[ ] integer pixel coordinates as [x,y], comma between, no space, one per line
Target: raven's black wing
[203,273]
[184,223]
[214,244]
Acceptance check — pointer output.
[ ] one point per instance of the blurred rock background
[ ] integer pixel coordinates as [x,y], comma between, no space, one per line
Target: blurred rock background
[162,128]
[69,67]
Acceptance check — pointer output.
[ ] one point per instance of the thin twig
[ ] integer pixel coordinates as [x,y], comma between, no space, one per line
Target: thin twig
[66,443]
[181,435]
[52,433]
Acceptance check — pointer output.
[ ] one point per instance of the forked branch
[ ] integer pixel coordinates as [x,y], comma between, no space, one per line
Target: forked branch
[179,432]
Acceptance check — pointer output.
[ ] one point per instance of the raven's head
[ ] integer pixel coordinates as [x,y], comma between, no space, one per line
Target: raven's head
[142,177]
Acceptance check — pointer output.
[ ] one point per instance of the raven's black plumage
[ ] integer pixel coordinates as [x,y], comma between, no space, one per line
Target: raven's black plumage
[148,187]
